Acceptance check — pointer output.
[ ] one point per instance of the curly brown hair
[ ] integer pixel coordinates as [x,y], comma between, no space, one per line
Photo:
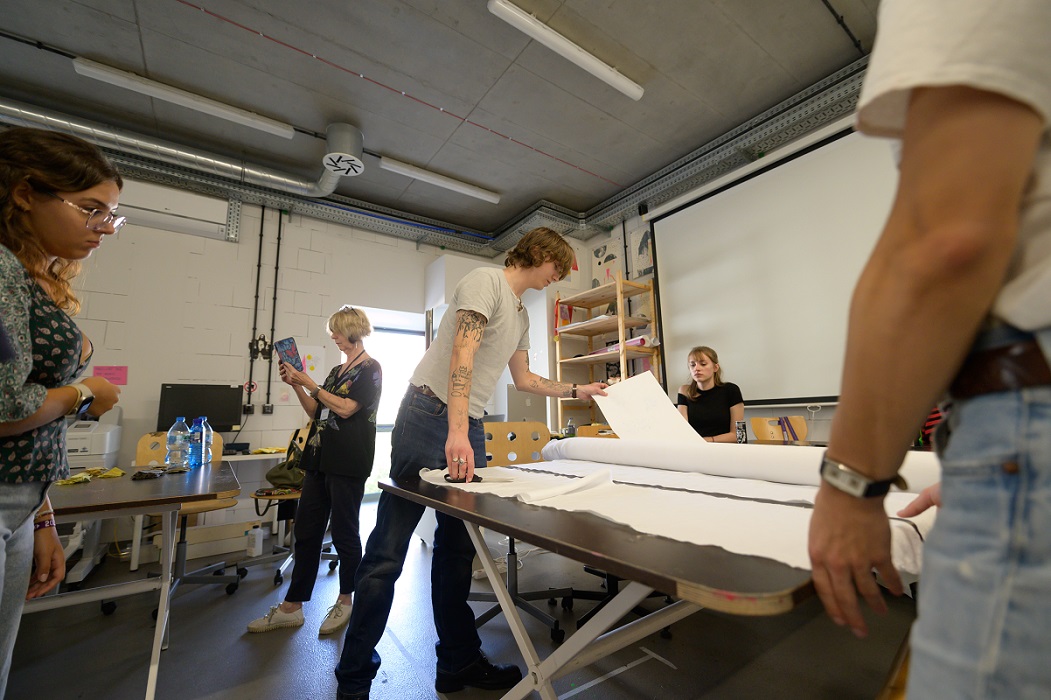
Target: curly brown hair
[49,162]
[537,247]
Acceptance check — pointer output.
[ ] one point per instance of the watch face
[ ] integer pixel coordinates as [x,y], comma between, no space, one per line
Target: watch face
[85,405]
[843,480]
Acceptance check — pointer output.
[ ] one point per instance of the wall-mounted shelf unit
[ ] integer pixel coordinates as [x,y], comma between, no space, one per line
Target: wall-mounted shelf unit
[594,302]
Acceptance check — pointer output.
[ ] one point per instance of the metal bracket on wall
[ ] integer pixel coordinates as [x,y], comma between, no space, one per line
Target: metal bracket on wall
[233,220]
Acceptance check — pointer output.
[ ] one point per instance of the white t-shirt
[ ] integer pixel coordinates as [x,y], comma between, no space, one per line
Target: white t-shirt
[486,291]
[1002,47]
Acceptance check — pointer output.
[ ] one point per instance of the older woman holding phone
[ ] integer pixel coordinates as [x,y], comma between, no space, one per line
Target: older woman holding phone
[58,201]
[337,461]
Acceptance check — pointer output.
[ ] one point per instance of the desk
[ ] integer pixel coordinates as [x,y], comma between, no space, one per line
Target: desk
[699,575]
[111,498]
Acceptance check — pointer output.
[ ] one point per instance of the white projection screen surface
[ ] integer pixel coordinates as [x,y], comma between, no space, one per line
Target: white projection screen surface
[763,271]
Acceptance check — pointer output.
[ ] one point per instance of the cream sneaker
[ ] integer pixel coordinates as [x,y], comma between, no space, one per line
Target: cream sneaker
[276,619]
[337,618]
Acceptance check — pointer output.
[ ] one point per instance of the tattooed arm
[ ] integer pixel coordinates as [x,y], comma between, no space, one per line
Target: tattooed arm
[467,338]
[525,380]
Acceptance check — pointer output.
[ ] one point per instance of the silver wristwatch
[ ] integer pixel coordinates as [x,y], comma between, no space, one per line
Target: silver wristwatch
[856,484]
[84,398]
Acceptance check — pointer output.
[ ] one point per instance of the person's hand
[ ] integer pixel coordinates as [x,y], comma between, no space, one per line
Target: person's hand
[459,455]
[49,562]
[849,537]
[106,394]
[586,391]
[930,496]
[293,377]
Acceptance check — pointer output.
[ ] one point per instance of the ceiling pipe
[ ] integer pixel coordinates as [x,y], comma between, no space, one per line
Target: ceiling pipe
[344,146]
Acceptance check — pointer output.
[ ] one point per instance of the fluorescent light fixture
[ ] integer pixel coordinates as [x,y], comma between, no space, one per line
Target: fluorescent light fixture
[396,166]
[528,24]
[144,86]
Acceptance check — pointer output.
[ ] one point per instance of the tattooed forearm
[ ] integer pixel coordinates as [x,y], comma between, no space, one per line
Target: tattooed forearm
[460,381]
[539,385]
[458,419]
[470,325]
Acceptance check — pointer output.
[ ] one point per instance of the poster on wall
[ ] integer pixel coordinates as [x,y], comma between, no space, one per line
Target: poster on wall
[605,263]
[640,247]
[314,362]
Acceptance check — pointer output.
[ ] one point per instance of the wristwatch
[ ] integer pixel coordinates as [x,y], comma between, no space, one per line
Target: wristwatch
[84,399]
[315,392]
[856,484]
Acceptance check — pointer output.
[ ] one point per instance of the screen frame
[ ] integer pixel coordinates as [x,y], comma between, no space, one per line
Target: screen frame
[216,401]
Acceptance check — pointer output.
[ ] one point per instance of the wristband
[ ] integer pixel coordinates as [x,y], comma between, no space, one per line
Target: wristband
[574,392]
[50,522]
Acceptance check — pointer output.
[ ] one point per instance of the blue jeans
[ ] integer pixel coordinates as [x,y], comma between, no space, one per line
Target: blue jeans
[18,503]
[418,442]
[324,495]
[984,627]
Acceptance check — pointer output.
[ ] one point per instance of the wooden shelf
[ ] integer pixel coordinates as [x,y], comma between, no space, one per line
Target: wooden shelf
[605,294]
[600,326]
[630,353]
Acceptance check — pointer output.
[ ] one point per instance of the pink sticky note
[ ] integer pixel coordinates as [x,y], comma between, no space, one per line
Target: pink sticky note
[116,374]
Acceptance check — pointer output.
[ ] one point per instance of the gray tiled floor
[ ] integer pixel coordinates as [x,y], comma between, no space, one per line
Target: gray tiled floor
[79,653]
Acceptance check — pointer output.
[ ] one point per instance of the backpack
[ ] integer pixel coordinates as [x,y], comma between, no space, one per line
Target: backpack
[288,474]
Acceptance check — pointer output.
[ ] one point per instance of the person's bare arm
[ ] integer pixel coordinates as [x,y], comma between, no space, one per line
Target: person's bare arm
[467,338]
[934,273]
[527,380]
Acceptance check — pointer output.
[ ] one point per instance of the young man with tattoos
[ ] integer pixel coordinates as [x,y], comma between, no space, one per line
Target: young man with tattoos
[439,427]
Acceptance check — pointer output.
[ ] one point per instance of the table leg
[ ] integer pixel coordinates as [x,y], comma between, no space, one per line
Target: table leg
[160,632]
[531,681]
[136,541]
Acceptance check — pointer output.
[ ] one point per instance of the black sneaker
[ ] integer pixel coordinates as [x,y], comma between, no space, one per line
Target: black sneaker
[340,695]
[481,674]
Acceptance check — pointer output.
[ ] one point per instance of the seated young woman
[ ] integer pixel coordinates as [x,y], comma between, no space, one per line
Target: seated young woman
[711,405]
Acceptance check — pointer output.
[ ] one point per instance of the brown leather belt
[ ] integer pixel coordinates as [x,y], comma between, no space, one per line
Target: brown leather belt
[425,390]
[1006,368]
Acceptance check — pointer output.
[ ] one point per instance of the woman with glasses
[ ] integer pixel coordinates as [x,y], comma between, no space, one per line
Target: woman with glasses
[58,194]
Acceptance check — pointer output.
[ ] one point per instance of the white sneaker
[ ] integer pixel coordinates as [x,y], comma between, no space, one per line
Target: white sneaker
[337,618]
[276,619]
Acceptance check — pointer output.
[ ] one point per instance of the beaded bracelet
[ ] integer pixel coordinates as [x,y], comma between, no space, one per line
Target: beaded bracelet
[43,514]
[50,522]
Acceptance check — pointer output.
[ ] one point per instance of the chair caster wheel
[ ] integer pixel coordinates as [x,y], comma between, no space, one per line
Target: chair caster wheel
[108,607]
[557,633]
[567,603]
[218,572]
[278,579]
[332,565]
[326,550]
[231,588]
[242,572]
[666,633]
[154,614]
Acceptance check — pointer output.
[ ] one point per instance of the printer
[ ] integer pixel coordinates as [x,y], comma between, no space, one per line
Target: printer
[92,444]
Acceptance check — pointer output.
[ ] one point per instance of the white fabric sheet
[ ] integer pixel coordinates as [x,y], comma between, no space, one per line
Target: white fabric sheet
[638,409]
[743,516]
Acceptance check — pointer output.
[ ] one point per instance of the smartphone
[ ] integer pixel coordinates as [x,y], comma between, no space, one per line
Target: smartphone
[288,352]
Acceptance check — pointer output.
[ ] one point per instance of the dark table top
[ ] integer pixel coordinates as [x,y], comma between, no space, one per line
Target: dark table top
[99,495]
[706,575]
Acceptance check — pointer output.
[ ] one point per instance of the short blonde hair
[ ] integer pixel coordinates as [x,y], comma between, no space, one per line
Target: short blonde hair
[349,322]
[537,247]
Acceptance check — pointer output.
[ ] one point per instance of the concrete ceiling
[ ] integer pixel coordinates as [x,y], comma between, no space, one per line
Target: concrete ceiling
[482,102]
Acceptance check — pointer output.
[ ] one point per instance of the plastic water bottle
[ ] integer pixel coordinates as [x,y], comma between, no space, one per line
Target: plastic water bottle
[208,433]
[571,430]
[196,443]
[178,443]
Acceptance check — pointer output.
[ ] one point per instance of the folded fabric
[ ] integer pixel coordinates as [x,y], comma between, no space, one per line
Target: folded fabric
[568,486]
[76,479]
[269,451]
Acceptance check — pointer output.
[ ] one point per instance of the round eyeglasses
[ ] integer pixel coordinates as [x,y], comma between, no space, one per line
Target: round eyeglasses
[97,218]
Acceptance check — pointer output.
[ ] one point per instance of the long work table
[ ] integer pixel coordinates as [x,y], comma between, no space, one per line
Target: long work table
[112,498]
[699,576]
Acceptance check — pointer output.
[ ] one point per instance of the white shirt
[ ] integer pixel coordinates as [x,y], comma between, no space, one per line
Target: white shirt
[1002,47]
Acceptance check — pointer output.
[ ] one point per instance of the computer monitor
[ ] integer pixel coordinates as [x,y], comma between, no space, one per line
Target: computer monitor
[220,402]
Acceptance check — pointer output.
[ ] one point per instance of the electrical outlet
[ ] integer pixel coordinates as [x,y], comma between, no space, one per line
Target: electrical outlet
[268,408]
[248,409]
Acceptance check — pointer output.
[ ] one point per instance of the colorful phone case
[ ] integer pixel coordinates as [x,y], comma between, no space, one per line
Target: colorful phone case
[288,352]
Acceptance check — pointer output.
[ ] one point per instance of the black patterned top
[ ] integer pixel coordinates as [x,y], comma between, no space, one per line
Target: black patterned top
[48,349]
[347,446]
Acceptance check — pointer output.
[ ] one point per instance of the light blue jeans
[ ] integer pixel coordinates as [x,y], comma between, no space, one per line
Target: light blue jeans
[984,627]
[18,503]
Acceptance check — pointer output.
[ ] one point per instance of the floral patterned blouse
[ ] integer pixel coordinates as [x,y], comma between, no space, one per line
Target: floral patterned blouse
[347,446]
[48,348]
